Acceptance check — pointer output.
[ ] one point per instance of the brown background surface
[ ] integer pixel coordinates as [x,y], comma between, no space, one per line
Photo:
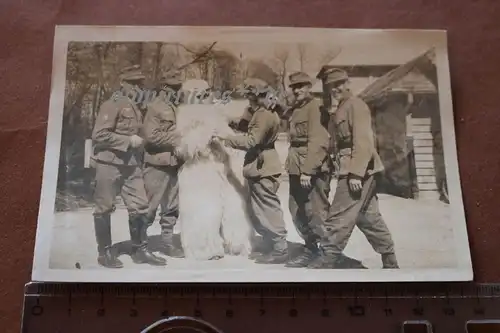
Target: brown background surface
[26,37]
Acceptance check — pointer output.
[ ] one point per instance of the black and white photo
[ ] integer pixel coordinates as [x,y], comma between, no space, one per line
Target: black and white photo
[250,154]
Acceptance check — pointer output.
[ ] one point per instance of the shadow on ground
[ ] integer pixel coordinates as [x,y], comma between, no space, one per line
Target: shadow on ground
[295,249]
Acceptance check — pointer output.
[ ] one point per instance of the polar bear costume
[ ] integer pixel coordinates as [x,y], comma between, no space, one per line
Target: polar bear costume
[213,214]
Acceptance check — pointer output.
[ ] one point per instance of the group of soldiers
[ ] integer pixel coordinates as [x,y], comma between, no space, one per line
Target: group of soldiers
[322,141]
[134,156]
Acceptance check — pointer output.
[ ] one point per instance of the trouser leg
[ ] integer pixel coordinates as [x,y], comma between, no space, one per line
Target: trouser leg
[300,210]
[162,189]
[266,206]
[373,226]
[135,198]
[320,204]
[349,210]
[310,206]
[106,182]
[170,213]
[339,224]
[341,219]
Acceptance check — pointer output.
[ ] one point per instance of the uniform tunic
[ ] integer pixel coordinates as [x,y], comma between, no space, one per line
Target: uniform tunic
[358,158]
[308,154]
[161,164]
[262,168]
[118,165]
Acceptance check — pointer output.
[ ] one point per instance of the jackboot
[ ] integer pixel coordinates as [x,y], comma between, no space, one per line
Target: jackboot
[335,261]
[309,254]
[106,256]
[389,261]
[278,255]
[138,234]
[167,246]
[262,250]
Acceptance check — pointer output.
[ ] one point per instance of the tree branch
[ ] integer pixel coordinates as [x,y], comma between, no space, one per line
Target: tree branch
[198,57]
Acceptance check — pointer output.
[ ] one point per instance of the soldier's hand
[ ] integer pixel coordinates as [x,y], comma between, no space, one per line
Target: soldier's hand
[355,184]
[305,181]
[336,165]
[218,138]
[233,123]
[135,141]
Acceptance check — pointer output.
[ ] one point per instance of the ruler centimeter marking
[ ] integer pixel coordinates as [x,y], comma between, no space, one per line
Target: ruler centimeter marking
[285,307]
[417,291]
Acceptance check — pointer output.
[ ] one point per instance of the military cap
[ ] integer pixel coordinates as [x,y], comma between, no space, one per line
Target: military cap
[333,75]
[324,69]
[131,73]
[255,86]
[172,78]
[299,78]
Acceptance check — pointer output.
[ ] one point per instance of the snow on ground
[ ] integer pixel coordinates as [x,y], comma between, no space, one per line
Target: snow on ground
[421,230]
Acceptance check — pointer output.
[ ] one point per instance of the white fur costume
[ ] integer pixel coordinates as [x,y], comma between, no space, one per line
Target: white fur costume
[212,193]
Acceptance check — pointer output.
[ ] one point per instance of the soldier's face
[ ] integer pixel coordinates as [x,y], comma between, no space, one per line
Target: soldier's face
[337,90]
[301,91]
[252,98]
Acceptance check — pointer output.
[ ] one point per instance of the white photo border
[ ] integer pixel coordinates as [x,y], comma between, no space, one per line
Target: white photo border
[65,34]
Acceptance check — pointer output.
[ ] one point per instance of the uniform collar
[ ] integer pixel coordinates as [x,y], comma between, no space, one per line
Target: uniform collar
[252,109]
[345,96]
[304,102]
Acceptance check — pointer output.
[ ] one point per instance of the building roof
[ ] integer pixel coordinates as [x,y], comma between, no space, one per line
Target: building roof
[357,55]
[414,82]
[410,78]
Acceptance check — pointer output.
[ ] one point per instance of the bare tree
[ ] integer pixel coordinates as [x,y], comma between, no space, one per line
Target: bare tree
[302,53]
[199,56]
[137,51]
[157,60]
[329,54]
[282,55]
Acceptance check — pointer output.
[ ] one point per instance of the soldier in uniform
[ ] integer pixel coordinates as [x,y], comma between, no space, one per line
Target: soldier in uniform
[262,169]
[309,167]
[118,159]
[161,165]
[355,202]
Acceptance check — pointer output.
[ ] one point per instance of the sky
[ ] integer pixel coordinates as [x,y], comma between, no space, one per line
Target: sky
[344,49]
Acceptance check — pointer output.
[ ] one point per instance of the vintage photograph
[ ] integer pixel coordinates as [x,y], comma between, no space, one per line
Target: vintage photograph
[250,154]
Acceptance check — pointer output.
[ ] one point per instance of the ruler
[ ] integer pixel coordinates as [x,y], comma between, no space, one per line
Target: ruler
[261,308]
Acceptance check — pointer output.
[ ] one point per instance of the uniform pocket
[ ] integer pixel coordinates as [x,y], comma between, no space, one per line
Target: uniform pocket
[125,122]
[342,127]
[301,128]
[166,124]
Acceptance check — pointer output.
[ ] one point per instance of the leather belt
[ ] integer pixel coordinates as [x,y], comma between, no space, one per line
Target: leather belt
[266,147]
[297,144]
